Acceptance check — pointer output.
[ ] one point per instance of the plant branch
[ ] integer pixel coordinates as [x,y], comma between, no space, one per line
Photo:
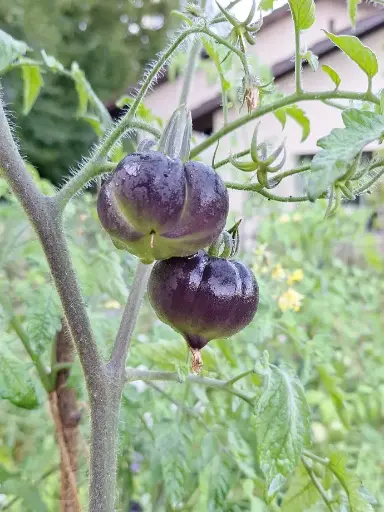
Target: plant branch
[221,163]
[133,374]
[123,339]
[316,458]
[189,72]
[297,61]
[317,484]
[284,102]
[46,221]
[230,382]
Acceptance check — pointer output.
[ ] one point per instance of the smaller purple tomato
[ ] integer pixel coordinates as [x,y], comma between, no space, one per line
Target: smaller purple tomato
[157,207]
[203,297]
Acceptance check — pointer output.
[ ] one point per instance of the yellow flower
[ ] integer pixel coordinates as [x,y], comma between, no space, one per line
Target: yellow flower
[278,273]
[291,299]
[296,217]
[112,304]
[296,276]
[284,218]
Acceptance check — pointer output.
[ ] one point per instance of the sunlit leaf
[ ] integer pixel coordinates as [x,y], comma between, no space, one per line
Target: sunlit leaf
[341,146]
[33,81]
[303,13]
[357,51]
[352,10]
[333,75]
[282,424]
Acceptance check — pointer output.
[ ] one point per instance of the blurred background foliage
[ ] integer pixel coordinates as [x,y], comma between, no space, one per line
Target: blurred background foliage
[183,446]
[111,42]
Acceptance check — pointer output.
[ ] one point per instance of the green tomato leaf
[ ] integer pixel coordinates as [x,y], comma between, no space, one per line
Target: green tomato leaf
[15,383]
[301,494]
[33,81]
[352,10]
[281,116]
[333,75]
[359,53]
[350,482]
[341,146]
[303,13]
[10,49]
[28,493]
[298,114]
[282,424]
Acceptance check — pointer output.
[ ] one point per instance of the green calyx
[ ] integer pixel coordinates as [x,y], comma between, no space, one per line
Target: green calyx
[175,141]
[262,163]
[227,243]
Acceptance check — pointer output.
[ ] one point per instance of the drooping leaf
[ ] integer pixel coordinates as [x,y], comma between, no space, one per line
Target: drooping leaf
[341,146]
[357,51]
[352,10]
[282,424]
[300,117]
[301,494]
[28,493]
[33,81]
[81,89]
[303,13]
[10,49]
[333,75]
[350,482]
[15,383]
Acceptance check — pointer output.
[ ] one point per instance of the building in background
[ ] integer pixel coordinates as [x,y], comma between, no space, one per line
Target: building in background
[275,48]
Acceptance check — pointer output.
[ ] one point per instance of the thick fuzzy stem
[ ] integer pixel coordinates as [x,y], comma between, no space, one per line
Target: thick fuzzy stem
[46,221]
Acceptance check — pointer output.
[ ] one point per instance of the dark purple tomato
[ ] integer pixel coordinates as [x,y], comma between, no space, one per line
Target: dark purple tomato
[203,297]
[156,207]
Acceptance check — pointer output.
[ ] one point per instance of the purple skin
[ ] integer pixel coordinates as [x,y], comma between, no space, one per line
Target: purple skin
[203,297]
[158,208]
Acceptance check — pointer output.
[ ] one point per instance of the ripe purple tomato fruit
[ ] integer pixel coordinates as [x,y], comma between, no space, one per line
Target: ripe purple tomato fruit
[156,207]
[203,297]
